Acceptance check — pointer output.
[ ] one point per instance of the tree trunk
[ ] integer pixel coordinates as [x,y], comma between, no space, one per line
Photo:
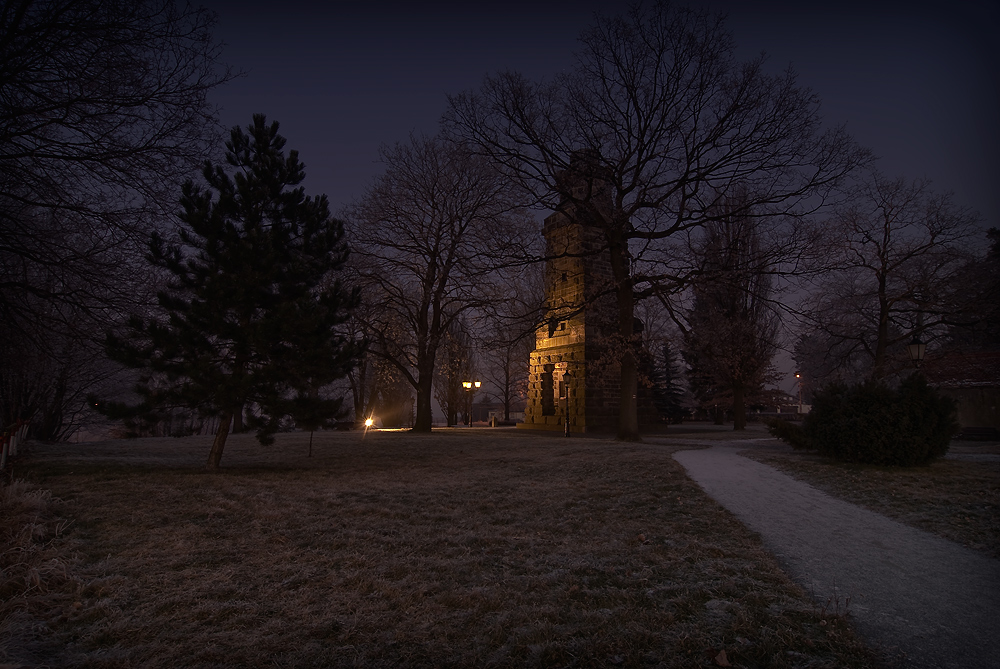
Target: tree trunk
[882,337]
[628,418]
[215,457]
[52,414]
[238,420]
[507,389]
[719,412]
[423,421]
[739,408]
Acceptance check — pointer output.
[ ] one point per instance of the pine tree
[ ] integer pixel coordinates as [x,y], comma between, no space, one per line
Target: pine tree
[667,393]
[251,314]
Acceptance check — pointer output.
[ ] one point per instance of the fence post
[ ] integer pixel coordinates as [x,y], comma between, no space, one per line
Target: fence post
[5,438]
[15,431]
[12,438]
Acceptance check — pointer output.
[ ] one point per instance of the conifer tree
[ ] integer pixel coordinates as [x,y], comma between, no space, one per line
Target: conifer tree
[667,394]
[251,315]
[732,328]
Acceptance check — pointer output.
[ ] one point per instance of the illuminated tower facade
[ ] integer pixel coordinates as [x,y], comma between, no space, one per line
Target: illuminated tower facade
[571,379]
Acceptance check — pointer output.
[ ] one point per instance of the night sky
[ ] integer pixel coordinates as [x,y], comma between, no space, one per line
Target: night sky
[917,83]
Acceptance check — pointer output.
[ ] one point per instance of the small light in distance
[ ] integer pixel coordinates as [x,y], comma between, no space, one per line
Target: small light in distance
[369,422]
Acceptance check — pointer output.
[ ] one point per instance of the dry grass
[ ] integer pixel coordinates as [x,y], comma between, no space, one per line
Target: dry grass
[464,548]
[958,499]
[33,569]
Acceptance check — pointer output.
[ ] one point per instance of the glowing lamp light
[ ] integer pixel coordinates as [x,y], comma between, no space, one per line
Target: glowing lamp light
[369,422]
[466,384]
[916,349]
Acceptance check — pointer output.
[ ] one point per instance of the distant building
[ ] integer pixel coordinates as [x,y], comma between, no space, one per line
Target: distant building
[973,380]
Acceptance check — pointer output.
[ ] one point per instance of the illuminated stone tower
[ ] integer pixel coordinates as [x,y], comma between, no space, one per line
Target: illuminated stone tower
[580,306]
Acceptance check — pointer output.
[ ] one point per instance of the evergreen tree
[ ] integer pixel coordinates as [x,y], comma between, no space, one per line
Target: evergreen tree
[667,393]
[732,328]
[251,314]
[977,325]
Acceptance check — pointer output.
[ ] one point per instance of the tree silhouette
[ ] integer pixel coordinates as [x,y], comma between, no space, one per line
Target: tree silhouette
[673,124]
[104,112]
[732,326]
[899,254]
[429,237]
[252,310]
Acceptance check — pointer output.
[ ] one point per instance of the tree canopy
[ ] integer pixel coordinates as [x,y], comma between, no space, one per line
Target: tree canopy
[674,124]
[430,235]
[251,314]
[732,326]
[898,266]
[104,112]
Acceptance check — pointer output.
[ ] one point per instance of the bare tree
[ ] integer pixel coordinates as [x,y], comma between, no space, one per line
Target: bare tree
[456,365]
[49,384]
[507,366]
[899,252]
[673,124]
[508,335]
[377,387]
[428,238]
[104,112]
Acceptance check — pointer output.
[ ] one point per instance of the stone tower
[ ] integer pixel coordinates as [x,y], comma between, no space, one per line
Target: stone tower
[569,378]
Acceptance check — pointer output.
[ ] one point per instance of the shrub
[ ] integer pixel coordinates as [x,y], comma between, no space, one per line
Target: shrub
[874,424]
[930,418]
[788,432]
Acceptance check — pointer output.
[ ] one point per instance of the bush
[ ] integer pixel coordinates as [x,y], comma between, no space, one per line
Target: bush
[930,417]
[788,432]
[874,424]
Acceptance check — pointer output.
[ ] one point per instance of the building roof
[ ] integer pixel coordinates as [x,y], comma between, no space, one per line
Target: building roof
[978,369]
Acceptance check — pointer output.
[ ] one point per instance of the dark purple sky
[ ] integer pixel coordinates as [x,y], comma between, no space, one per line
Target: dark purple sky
[918,83]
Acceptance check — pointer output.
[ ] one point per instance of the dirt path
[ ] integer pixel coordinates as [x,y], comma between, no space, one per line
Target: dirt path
[910,591]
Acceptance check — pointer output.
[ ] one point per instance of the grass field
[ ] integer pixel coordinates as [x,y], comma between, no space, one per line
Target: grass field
[957,498]
[474,547]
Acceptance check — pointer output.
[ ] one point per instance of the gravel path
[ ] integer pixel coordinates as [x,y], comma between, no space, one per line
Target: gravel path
[910,592]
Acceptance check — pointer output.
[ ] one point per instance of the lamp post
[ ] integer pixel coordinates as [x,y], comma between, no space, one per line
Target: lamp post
[566,379]
[470,389]
[916,349]
[798,377]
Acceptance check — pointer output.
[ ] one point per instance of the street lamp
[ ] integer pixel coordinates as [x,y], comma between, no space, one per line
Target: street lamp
[799,377]
[916,349]
[566,379]
[468,385]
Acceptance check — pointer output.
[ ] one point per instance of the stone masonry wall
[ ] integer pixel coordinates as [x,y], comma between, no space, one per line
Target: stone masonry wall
[570,341]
